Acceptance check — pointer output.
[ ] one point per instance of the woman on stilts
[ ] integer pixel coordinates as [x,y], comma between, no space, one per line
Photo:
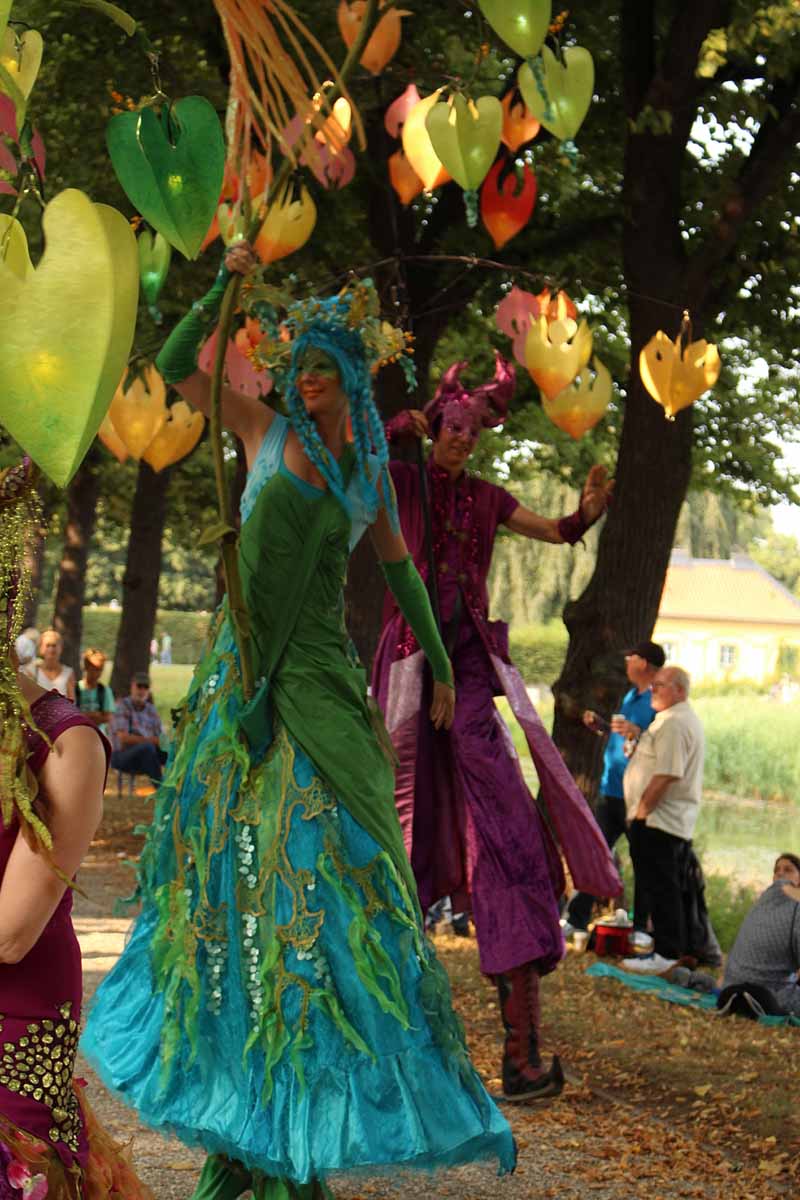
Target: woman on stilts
[278,1003]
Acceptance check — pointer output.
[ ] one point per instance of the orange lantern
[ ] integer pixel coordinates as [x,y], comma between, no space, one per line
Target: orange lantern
[677,373]
[555,352]
[418,147]
[111,440]
[385,40]
[177,437]
[138,411]
[507,207]
[287,226]
[582,403]
[405,180]
[519,125]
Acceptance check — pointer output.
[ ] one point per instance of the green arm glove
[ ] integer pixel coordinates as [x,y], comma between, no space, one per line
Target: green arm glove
[177,358]
[414,602]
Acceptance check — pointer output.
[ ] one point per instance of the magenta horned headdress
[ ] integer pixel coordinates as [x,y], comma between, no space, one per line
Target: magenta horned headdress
[459,409]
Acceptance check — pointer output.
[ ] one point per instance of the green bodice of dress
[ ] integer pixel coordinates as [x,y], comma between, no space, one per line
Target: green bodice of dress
[293,555]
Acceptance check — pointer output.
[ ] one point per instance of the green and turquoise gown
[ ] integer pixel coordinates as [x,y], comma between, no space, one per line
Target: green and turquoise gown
[277,1001]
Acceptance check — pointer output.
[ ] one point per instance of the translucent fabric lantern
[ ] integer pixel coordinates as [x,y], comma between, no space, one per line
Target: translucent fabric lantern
[520,308]
[404,179]
[112,441]
[385,40]
[395,115]
[287,226]
[176,438]
[66,328]
[21,58]
[506,208]
[418,148]
[522,24]
[582,403]
[155,254]
[465,136]
[139,411]
[239,372]
[519,125]
[556,352]
[569,87]
[677,374]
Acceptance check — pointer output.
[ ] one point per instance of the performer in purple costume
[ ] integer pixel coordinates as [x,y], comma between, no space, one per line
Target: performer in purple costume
[472,828]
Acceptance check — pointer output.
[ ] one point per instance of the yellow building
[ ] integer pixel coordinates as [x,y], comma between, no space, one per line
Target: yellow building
[727,619]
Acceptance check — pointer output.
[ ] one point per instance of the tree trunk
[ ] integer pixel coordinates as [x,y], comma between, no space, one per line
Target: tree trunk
[36,554]
[141,578]
[82,497]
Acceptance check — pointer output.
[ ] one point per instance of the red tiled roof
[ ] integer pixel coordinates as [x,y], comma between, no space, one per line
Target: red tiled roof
[725,589]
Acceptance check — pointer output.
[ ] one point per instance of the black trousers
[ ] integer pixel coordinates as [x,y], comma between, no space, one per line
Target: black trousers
[657,864]
[610,816]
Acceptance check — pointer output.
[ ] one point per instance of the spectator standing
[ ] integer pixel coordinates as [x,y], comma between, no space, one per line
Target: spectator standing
[93,698]
[136,732]
[50,673]
[153,649]
[166,649]
[635,714]
[663,787]
[766,952]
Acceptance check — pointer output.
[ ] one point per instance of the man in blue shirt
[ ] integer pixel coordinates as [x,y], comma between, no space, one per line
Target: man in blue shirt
[634,715]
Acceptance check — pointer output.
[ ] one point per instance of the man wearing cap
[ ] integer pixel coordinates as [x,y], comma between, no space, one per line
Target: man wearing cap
[634,715]
[136,732]
[471,826]
[93,698]
[663,788]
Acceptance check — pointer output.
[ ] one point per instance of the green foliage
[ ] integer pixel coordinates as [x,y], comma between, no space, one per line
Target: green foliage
[187,629]
[752,748]
[779,554]
[728,904]
[538,651]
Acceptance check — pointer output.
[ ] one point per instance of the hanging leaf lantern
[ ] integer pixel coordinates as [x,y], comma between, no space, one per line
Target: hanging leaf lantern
[384,41]
[112,441]
[522,24]
[555,352]
[519,308]
[171,167]
[155,255]
[418,147]
[519,125]
[66,328]
[677,373]
[139,410]
[506,208]
[21,58]
[287,226]
[568,88]
[395,116]
[465,134]
[582,403]
[177,437]
[404,179]
[240,374]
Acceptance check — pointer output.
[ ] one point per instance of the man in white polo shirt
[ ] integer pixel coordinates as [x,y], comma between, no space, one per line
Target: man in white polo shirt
[663,786]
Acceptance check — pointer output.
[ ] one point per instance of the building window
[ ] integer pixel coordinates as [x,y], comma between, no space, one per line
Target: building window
[727,657]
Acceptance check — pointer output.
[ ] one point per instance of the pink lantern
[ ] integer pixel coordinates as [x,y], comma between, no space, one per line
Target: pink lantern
[395,116]
[240,374]
[330,169]
[514,316]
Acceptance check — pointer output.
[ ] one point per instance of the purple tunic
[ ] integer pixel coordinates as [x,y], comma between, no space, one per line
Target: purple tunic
[472,829]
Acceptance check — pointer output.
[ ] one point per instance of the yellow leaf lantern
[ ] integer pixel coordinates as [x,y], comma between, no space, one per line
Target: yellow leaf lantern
[287,226]
[112,441]
[582,403]
[555,352]
[337,129]
[404,179]
[385,40]
[418,147]
[138,411]
[21,57]
[176,438]
[677,373]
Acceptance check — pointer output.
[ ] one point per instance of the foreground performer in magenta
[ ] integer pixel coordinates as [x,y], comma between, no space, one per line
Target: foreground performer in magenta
[471,827]
[53,764]
[278,1003]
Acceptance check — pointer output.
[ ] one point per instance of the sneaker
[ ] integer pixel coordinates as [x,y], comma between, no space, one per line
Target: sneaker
[651,964]
[640,940]
[549,1084]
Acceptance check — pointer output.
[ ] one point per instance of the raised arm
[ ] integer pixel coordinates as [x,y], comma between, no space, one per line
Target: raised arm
[248,418]
[594,500]
[72,782]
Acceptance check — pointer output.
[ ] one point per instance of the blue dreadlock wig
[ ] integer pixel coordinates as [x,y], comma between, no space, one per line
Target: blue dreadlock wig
[329,333]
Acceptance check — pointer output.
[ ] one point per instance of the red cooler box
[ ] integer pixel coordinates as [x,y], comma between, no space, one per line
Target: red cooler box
[612,940]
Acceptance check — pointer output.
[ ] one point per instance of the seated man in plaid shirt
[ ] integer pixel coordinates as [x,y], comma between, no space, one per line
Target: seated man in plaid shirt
[136,732]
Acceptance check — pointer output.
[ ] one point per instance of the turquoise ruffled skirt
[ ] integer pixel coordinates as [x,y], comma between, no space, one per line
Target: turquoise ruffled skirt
[277,1001]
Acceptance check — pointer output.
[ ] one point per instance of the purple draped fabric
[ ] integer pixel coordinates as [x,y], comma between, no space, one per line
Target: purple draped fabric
[471,826]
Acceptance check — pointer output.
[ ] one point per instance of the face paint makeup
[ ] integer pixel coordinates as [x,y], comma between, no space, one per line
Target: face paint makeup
[317,362]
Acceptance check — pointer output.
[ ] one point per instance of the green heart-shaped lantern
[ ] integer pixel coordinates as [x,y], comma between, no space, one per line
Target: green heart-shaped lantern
[155,254]
[569,88]
[171,166]
[66,328]
[466,137]
[522,24]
